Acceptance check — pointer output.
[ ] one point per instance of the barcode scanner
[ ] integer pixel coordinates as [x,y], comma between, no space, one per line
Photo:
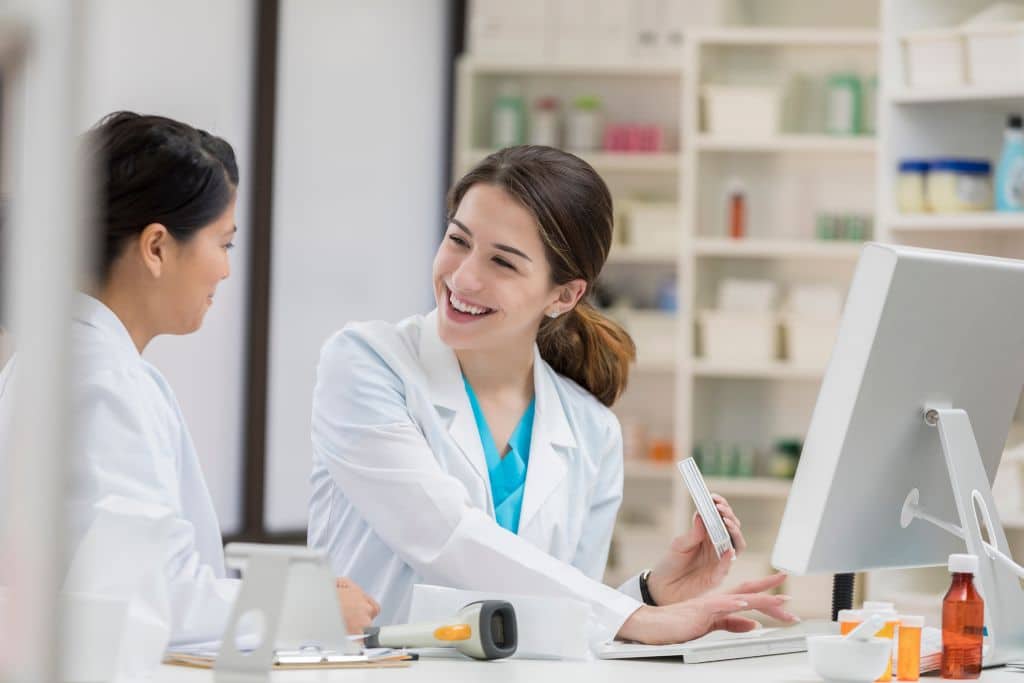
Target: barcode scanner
[481,630]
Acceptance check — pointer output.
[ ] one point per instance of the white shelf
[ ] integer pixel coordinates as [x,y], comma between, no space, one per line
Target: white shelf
[750,487]
[648,470]
[785,37]
[777,249]
[641,162]
[483,66]
[775,370]
[967,93]
[790,142]
[633,255]
[968,222]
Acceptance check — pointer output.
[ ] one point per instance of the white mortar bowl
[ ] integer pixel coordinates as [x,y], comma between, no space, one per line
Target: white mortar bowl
[840,660]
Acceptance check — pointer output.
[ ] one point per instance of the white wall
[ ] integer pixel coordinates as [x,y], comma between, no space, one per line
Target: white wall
[190,60]
[358,204]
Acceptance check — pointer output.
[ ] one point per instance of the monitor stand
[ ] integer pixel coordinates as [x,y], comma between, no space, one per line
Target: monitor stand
[999,578]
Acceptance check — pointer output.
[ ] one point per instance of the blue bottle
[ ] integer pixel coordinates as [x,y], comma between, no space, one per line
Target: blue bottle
[1010,173]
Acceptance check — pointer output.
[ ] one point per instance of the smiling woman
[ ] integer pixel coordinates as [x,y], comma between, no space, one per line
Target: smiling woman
[475,448]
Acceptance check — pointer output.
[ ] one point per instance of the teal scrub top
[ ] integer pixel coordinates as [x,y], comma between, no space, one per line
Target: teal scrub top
[508,474]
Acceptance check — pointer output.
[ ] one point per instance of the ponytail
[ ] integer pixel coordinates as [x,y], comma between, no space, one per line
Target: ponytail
[590,349]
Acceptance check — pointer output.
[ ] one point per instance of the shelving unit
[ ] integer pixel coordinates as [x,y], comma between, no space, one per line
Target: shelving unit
[953,95]
[791,142]
[982,221]
[787,183]
[791,176]
[779,370]
[913,123]
[633,256]
[710,247]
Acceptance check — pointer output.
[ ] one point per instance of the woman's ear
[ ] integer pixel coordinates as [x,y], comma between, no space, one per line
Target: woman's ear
[154,243]
[569,295]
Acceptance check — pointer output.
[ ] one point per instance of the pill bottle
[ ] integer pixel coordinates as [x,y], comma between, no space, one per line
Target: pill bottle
[908,649]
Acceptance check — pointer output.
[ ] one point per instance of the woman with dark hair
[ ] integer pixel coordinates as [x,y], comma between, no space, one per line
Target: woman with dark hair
[166,197]
[475,447]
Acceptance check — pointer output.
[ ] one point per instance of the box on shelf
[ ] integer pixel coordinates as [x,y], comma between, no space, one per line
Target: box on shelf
[729,337]
[654,333]
[747,295]
[509,31]
[995,53]
[653,226]
[934,58]
[742,111]
[809,339]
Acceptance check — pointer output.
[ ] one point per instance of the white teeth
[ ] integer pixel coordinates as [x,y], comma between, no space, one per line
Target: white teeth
[463,307]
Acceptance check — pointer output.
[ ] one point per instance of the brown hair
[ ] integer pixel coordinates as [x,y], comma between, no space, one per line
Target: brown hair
[573,207]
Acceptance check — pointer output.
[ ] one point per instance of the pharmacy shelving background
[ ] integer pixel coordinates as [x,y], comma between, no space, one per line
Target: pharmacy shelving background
[657,62]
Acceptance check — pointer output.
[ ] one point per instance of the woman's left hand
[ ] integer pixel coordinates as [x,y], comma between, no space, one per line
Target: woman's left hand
[692,568]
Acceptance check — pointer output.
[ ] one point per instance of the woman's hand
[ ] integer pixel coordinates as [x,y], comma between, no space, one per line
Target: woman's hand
[692,568]
[358,608]
[684,621]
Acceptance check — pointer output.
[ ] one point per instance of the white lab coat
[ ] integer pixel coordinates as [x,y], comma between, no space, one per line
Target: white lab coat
[131,441]
[401,493]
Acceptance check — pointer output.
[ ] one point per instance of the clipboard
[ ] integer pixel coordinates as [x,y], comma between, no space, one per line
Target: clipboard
[303,660]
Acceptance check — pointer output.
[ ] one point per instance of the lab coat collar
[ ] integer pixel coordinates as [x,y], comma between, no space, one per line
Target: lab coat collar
[448,393]
[552,440]
[94,313]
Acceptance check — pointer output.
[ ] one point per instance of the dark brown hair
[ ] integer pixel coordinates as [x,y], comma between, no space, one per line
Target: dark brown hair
[573,207]
[151,169]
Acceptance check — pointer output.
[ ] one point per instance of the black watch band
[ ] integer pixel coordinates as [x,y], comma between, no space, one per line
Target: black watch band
[645,591]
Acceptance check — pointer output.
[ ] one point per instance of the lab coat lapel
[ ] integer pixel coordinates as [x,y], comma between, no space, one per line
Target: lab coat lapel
[551,443]
[448,394]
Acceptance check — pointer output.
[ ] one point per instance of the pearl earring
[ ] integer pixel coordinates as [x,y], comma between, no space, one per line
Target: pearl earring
[552,314]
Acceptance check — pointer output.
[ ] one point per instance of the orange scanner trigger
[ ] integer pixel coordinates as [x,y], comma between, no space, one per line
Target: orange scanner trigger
[454,632]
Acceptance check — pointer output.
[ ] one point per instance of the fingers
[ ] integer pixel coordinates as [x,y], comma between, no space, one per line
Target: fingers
[780,614]
[374,607]
[725,509]
[760,585]
[738,541]
[760,601]
[737,624]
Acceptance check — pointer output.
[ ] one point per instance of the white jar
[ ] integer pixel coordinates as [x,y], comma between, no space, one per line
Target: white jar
[955,185]
[910,186]
[583,133]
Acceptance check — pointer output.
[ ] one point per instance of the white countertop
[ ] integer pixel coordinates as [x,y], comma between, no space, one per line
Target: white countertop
[783,668]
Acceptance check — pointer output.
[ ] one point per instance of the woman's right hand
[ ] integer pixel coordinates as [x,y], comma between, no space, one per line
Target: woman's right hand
[358,608]
[685,621]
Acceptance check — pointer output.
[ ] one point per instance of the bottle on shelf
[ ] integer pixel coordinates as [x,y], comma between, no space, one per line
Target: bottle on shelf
[544,122]
[508,120]
[1010,173]
[736,208]
[843,104]
[584,132]
[963,621]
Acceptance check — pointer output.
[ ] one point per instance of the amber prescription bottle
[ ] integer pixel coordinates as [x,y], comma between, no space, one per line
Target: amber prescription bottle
[963,621]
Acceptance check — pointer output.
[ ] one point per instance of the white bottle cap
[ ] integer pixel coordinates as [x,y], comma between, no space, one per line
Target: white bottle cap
[848,615]
[877,606]
[912,622]
[963,564]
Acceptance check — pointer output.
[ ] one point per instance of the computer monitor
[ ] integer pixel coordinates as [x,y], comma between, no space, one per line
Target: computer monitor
[924,380]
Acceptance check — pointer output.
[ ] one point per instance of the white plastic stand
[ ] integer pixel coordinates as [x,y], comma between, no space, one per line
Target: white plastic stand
[999,577]
[288,592]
